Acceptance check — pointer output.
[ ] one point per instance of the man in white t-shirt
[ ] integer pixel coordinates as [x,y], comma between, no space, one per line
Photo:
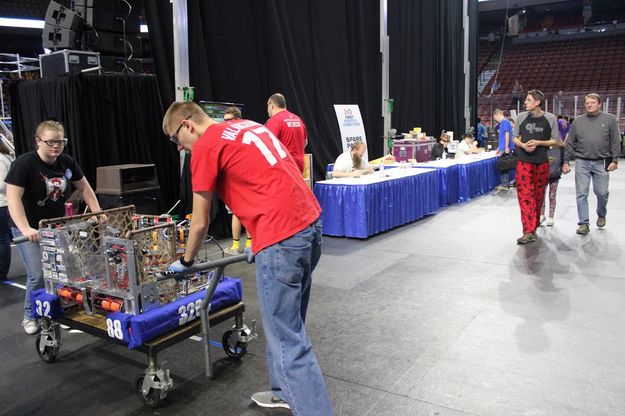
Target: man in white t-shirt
[351,162]
[466,146]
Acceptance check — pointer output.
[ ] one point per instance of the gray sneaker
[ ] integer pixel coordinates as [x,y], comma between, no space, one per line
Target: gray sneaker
[526,238]
[601,222]
[269,400]
[232,251]
[583,229]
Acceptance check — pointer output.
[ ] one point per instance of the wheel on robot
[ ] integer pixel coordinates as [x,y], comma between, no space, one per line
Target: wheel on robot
[49,354]
[152,399]
[239,350]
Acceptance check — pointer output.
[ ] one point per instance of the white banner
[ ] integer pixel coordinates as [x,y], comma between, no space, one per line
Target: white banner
[350,124]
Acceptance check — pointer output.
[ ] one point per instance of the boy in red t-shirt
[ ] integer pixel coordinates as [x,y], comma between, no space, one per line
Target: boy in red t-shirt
[254,174]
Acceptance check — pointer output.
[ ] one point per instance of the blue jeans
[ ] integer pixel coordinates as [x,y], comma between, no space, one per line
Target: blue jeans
[5,243]
[31,256]
[283,278]
[585,171]
[508,177]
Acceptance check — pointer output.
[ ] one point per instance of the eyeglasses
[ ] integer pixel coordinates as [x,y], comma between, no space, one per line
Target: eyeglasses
[52,143]
[174,137]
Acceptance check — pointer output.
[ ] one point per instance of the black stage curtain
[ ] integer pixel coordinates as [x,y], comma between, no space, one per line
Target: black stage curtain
[474,34]
[426,66]
[316,53]
[109,119]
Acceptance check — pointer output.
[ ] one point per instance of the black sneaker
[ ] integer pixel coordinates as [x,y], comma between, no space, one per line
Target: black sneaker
[601,222]
[583,229]
[269,400]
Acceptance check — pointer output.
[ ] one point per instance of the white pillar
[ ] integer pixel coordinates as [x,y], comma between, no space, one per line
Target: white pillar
[606,105]
[181,46]
[575,108]
[618,109]
[181,53]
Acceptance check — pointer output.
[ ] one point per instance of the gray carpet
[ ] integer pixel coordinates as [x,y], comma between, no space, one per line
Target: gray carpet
[444,316]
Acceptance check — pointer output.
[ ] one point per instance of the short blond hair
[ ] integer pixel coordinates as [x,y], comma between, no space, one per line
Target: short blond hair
[182,110]
[49,125]
[594,96]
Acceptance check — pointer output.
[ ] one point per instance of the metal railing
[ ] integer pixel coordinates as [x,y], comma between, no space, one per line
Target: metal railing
[569,103]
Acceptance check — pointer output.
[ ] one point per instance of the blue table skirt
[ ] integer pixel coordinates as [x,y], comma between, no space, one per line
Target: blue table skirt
[449,184]
[461,182]
[477,178]
[363,210]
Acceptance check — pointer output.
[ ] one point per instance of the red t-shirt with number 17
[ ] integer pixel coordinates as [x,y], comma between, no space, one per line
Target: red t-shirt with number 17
[256,177]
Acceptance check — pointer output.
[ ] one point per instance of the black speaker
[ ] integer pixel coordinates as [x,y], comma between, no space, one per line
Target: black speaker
[117,6]
[113,43]
[62,28]
[121,64]
[110,15]
[55,37]
[61,16]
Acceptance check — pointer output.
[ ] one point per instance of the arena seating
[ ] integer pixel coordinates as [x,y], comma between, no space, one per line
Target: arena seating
[485,50]
[580,65]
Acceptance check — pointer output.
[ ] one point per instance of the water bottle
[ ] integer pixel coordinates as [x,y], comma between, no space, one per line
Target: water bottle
[69,209]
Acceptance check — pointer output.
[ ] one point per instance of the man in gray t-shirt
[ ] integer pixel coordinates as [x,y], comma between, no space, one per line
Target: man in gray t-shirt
[594,141]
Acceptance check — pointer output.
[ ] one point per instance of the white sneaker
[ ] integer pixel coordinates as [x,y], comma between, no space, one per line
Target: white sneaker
[268,400]
[542,219]
[31,326]
[549,222]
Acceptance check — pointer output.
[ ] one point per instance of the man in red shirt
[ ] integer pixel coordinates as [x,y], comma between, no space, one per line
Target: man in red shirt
[287,127]
[253,173]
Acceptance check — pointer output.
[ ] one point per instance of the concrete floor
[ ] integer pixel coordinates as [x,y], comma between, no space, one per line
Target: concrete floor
[444,316]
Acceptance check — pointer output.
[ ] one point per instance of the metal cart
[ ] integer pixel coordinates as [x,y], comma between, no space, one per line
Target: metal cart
[118,264]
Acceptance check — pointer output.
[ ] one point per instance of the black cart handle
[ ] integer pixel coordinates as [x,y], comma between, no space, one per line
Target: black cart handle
[21,239]
[209,265]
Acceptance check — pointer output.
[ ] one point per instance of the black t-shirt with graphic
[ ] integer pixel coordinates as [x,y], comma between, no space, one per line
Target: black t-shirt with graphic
[535,128]
[46,187]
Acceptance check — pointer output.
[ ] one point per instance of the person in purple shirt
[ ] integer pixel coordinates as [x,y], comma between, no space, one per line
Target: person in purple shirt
[563,126]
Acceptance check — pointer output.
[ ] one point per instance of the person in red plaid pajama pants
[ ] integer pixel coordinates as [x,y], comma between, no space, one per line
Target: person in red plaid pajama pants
[534,132]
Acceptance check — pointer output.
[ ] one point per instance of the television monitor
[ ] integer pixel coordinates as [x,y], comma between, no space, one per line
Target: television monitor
[216,109]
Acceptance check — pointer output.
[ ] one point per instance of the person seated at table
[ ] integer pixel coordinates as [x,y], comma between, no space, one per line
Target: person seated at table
[351,162]
[466,146]
[439,151]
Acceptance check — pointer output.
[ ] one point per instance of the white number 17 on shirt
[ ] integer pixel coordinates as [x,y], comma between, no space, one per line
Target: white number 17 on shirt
[252,137]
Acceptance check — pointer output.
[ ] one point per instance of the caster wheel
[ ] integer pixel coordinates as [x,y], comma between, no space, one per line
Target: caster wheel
[238,351]
[152,399]
[49,354]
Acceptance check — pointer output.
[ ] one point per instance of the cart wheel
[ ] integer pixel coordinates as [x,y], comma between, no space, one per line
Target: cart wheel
[49,354]
[238,351]
[152,399]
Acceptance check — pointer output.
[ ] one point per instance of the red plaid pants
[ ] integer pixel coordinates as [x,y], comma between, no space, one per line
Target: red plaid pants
[531,181]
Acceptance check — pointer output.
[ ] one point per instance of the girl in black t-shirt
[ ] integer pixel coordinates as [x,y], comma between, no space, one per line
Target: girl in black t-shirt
[38,185]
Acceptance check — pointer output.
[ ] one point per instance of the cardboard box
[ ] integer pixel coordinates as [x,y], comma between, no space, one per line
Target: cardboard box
[125,179]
